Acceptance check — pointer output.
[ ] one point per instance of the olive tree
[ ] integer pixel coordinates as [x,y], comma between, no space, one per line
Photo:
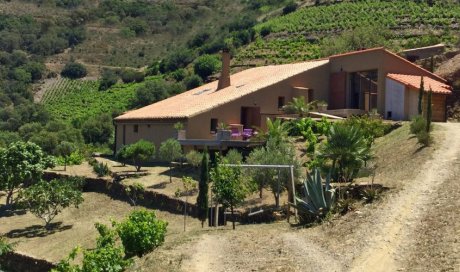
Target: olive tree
[47,199]
[140,152]
[65,149]
[21,163]
[229,187]
[170,150]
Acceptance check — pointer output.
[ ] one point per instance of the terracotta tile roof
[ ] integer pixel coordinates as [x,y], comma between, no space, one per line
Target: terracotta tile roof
[204,98]
[392,54]
[414,82]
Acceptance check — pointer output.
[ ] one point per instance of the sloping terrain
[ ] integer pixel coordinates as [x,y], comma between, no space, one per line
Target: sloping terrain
[394,234]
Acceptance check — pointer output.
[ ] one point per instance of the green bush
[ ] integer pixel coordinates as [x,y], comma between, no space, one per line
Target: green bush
[141,232]
[234,157]
[5,247]
[74,70]
[371,128]
[194,158]
[206,65]
[424,138]
[101,169]
[75,158]
[193,81]
[130,75]
[417,124]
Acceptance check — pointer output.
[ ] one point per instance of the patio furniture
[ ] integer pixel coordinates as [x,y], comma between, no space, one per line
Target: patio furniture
[235,132]
[247,133]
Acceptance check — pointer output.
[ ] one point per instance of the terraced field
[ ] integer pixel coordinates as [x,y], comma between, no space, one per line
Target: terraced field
[79,99]
[298,36]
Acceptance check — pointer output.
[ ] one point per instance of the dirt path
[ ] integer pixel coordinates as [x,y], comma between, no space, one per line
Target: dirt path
[401,216]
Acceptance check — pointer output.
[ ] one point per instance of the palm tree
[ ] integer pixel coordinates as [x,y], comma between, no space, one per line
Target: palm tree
[276,130]
[347,149]
[298,106]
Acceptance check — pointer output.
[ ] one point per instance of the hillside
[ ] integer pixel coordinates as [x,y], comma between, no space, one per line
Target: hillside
[317,31]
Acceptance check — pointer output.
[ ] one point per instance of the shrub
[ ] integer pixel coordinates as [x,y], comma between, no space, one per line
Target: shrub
[74,70]
[47,199]
[75,158]
[206,65]
[141,232]
[135,192]
[417,124]
[106,256]
[371,128]
[289,8]
[234,157]
[101,169]
[424,138]
[65,149]
[194,158]
[265,30]
[108,79]
[130,75]
[192,81]
[5,247]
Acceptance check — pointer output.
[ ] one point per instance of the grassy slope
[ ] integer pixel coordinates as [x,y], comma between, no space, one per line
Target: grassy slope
[297,36]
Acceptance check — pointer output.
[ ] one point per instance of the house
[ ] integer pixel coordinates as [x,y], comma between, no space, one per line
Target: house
[350,83]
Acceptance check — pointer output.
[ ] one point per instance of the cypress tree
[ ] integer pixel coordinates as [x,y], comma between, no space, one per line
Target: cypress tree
[420,96]
[428,110]
[202,199]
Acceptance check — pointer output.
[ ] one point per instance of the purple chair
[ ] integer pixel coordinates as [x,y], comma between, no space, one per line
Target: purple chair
[247,133]
[235,132]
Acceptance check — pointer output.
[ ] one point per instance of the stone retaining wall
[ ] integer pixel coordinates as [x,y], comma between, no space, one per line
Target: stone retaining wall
[17,262]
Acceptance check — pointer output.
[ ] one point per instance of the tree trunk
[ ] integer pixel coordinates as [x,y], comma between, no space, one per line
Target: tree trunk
[260,191]
[277,200]
[202,224]
[233,217]
[9,198]
[185,211]
[170,173]
[65,165]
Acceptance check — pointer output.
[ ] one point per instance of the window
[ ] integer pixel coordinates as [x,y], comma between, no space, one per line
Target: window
[281,102]
[213,125]
[136,128]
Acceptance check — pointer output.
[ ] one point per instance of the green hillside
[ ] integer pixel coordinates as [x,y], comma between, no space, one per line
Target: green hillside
[304,34]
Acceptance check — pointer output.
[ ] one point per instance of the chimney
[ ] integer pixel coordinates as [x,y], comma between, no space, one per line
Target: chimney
[224,80]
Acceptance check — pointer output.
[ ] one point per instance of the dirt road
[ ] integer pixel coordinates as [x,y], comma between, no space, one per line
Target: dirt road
[415,228]
[399,219]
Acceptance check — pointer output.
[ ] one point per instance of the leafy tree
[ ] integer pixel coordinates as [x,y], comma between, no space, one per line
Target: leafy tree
[180,58]
[65,149]
[98,129]
[140,152]
[121,155]
[202,199]
[155,90]
[170,150]
[206,65]
[192,82]
[74,70]
[47,199]
[229,187]
[21,163]
[141,232]
[277,180]
[347,149]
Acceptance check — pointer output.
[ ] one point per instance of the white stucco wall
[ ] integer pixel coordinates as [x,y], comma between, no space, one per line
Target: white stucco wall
[394,99]
[412,103]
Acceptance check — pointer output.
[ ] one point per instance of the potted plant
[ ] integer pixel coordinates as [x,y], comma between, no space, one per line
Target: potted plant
[223,132]
[322,105]
[181,133]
